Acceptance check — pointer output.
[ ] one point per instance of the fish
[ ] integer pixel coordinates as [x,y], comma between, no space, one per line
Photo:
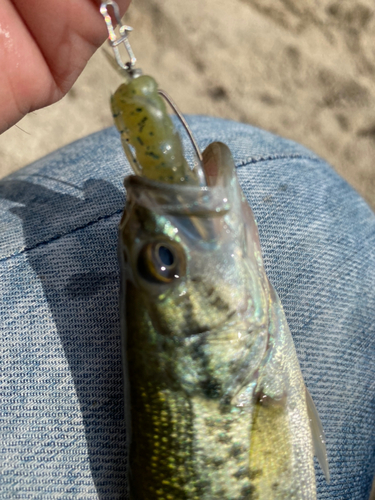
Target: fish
[215,400]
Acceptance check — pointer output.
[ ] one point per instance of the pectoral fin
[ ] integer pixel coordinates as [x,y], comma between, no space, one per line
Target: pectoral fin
[318,436]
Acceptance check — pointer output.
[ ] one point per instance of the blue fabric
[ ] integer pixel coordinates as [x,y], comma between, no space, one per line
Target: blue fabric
[62,429]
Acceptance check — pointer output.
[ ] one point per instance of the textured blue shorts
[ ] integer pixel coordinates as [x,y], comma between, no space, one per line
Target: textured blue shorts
[61,401]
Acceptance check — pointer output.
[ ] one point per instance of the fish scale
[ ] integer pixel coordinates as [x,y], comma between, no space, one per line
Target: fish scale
[162,433]
[221,444]
[161,444]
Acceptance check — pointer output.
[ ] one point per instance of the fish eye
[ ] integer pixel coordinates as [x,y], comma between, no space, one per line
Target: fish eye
[165,255]
[161,261]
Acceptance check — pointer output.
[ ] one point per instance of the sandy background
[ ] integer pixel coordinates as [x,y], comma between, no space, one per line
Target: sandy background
[303,69]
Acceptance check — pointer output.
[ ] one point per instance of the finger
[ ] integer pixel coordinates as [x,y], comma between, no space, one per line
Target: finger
[24,75]
[67,33]
[44,46]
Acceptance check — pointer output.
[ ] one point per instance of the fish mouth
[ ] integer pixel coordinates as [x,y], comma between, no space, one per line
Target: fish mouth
[177,199]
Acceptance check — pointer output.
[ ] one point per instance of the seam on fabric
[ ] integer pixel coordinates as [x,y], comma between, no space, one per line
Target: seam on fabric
[58,236]
[291,156]
[104,217]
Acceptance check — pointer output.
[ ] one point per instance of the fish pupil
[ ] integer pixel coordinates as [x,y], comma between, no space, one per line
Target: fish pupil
[166,256]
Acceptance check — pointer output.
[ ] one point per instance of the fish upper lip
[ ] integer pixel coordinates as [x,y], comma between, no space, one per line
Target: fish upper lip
[196,200]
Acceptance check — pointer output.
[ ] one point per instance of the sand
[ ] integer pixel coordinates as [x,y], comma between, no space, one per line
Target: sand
[301,69]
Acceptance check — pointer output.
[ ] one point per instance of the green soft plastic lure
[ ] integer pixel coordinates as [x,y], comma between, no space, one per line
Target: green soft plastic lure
[216,405]
[141,117]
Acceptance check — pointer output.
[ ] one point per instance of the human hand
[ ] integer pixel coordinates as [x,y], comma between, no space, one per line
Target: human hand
[44,46]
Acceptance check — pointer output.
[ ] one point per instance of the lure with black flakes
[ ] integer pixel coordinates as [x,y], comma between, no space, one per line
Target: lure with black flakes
[141,117]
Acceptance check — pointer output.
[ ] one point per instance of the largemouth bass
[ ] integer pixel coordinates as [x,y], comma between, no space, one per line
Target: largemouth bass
[216,405]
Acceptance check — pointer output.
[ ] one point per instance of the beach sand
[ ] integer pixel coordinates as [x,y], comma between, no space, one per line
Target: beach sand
[301,69]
